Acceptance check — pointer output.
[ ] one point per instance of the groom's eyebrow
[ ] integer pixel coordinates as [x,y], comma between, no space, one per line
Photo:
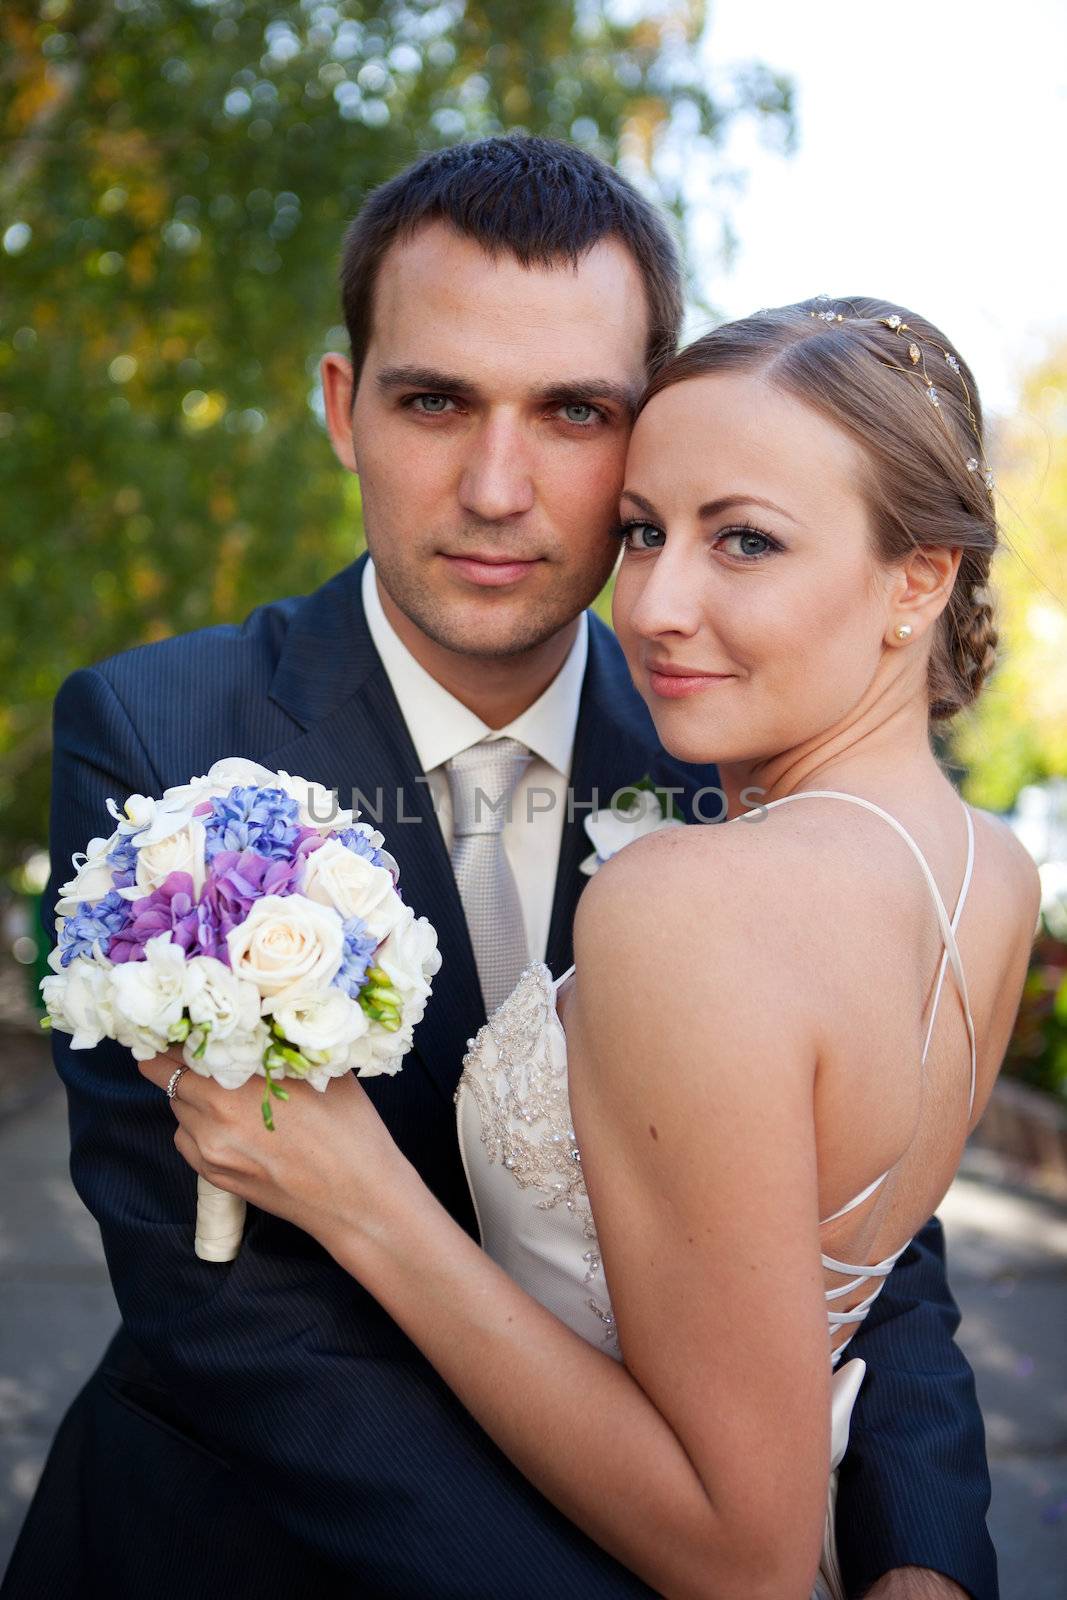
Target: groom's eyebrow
[577,391]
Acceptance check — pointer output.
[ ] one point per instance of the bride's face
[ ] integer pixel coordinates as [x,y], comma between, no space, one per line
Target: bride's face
[749,565]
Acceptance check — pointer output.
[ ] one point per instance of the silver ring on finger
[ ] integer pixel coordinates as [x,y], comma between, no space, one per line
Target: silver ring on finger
[172,1086]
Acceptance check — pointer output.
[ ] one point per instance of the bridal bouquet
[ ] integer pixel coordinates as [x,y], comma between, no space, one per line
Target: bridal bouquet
[225,917]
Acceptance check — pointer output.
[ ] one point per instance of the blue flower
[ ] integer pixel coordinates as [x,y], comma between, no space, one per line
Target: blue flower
[91,924]
[122,859]
[359,948]
[355,840]
[251,818]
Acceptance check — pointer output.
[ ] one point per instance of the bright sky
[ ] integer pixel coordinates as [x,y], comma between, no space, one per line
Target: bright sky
[931,168]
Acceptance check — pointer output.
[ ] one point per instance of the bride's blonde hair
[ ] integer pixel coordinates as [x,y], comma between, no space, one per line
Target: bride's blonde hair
[893,382]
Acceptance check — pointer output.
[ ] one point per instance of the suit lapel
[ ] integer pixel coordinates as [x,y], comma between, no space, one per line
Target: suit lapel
[358,742]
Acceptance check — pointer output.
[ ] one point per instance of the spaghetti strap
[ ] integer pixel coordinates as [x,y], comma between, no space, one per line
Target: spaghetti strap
[951,954]
[556,982]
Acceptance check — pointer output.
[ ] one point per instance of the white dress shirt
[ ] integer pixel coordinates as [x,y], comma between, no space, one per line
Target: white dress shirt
[441,726]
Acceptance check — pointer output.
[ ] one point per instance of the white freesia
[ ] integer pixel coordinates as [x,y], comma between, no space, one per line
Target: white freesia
[227,1038]
[326,1024]
[287,945]
[610,829]
[92,876]
[181,851]
[336,876]
[78,1001]
[409,958]
[135,815]
[318,805]
[148,997]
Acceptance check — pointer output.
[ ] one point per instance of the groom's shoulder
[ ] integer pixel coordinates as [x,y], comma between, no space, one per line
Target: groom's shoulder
[213,686]
[239,655]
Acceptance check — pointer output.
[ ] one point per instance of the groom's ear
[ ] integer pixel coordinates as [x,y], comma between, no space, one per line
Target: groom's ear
[338,395]
[923,585]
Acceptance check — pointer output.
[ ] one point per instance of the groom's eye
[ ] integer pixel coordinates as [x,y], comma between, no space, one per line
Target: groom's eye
[580,412]
[431,405]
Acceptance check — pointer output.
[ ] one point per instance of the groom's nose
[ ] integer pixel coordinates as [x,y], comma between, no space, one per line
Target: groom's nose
[497,480]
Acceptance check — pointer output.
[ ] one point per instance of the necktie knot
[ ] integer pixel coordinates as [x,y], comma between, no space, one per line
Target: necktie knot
[481,780]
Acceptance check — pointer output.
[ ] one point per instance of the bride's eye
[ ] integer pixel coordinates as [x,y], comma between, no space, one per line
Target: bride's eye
[640,535]
[748,544]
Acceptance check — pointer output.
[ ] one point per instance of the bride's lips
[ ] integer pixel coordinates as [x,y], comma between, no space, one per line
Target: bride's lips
[490,571]
[672,682]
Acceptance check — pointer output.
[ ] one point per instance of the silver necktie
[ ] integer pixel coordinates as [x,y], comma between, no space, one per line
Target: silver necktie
[481,780]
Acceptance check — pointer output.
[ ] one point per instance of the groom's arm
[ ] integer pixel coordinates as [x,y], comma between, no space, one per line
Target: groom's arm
[278,1362]
[914,1486]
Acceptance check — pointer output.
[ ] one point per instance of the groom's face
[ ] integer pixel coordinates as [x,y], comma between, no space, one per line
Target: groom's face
[489,431]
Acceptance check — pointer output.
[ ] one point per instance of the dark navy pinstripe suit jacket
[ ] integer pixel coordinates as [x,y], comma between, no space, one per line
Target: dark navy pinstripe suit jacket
[262,1428]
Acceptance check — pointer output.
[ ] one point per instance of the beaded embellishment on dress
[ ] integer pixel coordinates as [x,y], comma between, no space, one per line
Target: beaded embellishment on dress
[519,1084]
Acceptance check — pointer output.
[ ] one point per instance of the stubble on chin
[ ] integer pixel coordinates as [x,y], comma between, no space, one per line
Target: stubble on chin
[493,628]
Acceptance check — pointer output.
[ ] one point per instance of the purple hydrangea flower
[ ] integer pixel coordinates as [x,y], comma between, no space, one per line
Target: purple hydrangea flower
[359,948]
[168,909]
[251,818]
[122,859]
[360,845]
[100,922]
[235,880]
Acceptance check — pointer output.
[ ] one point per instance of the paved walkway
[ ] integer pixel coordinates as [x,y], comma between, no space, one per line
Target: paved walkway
[1009,1270]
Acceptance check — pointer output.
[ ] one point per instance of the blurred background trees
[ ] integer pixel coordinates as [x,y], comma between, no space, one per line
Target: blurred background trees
[176,179]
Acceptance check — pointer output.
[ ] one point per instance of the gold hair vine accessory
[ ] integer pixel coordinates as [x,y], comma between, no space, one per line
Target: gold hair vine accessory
[896,324]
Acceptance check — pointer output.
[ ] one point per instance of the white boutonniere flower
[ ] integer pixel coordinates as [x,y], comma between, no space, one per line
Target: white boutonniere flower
[642,809]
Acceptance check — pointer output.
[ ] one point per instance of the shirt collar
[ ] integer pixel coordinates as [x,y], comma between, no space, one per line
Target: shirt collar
[441,726]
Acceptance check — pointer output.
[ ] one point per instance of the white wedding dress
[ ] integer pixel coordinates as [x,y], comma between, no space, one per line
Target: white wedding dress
[524,1169]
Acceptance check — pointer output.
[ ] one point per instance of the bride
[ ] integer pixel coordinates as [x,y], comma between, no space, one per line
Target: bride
[756,1083]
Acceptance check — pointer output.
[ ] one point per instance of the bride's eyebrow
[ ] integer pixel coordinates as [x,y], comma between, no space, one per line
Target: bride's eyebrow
[711,508]
[642,504]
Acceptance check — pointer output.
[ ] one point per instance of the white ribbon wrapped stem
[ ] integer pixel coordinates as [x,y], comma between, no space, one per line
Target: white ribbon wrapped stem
[220,1222]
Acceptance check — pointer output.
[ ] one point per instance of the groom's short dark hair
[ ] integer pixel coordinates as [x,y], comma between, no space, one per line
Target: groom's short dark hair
[540,200]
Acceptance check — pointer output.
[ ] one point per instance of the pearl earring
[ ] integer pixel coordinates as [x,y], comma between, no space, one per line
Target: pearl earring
[903,632]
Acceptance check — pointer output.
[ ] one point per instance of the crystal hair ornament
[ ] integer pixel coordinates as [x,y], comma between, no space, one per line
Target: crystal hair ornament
[896,324]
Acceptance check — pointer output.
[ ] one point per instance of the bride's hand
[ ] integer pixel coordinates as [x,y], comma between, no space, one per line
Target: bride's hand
[330,1162]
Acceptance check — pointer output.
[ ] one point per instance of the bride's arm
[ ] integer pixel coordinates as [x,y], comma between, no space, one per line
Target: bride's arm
[702,1463]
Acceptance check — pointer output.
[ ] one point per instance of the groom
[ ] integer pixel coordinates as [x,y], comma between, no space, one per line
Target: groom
[262,1428]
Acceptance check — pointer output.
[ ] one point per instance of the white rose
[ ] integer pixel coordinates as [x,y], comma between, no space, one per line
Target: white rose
[148,997]
[326,1023]
[335,876]
[287,946]
[78,1001]
[318,805]
[609,830]
[92,876]
[181,851]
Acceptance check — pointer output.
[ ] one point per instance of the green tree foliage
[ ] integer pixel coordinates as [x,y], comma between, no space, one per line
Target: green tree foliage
[175,182]
[1017,732]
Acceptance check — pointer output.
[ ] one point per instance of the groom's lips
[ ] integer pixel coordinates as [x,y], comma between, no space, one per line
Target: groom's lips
[490,571]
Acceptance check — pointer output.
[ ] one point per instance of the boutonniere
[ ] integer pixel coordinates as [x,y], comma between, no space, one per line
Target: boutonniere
[636,810]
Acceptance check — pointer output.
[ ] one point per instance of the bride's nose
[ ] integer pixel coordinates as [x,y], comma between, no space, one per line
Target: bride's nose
[665,598]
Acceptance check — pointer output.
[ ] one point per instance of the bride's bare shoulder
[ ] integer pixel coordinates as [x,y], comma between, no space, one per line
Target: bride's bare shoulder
[693,891]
